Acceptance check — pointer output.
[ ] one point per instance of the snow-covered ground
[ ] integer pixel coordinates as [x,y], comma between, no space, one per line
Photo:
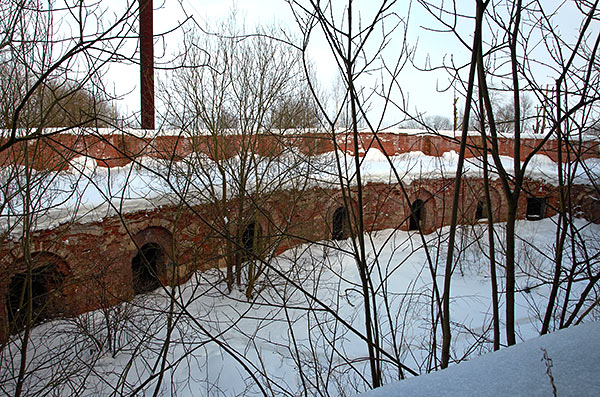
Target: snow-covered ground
[298,334]
[565,363]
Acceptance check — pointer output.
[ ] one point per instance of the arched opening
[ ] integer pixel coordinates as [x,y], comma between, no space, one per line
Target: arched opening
[250,237]
[482,210]
[145,266]
[250,258]
[417,214]
[33,292]
[536,208]
[17,300]
[340,227]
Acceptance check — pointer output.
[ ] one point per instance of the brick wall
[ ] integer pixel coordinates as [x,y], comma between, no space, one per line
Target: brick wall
[113,150]
[94,260]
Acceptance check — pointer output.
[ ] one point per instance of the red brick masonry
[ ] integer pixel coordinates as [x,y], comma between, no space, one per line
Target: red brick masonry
[94,260]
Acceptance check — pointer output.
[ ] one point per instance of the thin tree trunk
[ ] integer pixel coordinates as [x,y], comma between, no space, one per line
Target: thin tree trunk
[373,346]
[561,227]
[510,272]
[27,285]
[490,216]
[446,333]
[514,196]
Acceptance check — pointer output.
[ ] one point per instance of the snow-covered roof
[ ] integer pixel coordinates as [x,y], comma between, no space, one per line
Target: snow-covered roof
[149,134]
[88,193]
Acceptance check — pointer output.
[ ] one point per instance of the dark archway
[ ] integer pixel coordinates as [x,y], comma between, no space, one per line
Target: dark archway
[536,208]
[340,227]
[417,214]
[250,240]
[17,299]
[34,292]
[482,210]
[145,266]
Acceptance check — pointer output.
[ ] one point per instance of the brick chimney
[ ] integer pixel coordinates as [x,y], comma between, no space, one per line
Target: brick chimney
[147,64]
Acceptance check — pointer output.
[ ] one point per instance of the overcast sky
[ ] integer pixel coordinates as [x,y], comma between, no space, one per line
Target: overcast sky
[420,88]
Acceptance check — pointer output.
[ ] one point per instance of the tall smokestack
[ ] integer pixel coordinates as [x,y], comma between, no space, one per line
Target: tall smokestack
[147,63]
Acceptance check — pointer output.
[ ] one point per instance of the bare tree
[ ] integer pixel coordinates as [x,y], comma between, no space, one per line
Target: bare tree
[53,56]
[516,30]
[251,87]
[242,102]
[61,107]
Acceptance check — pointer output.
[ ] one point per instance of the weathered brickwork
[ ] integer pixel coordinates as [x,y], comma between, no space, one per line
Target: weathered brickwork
[95,262]
[114,150]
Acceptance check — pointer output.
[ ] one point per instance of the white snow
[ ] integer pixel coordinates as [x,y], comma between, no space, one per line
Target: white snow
[290,342]
[112,351]
[88,193]
[569,359]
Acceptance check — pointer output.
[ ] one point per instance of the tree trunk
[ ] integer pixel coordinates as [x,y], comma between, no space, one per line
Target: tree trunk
[446,333]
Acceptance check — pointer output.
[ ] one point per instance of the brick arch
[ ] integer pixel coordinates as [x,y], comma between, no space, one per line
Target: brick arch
[498,210]
[39,258]
[429,210]
[50,290]
[265,220]
[334,203]
[266,217]
[156,234]
[152,258]
[474,207]
[587,205]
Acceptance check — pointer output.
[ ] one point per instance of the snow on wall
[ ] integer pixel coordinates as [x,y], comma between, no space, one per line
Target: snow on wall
[87,192]
[86,211]
[112,148]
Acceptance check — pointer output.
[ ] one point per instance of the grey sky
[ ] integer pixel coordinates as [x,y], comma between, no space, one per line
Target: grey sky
[420,88]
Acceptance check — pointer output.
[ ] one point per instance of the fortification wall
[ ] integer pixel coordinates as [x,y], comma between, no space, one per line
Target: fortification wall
[115,150]
[85,266]
[95,261]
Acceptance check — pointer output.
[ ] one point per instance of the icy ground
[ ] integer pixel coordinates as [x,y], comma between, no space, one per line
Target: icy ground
[286,342]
